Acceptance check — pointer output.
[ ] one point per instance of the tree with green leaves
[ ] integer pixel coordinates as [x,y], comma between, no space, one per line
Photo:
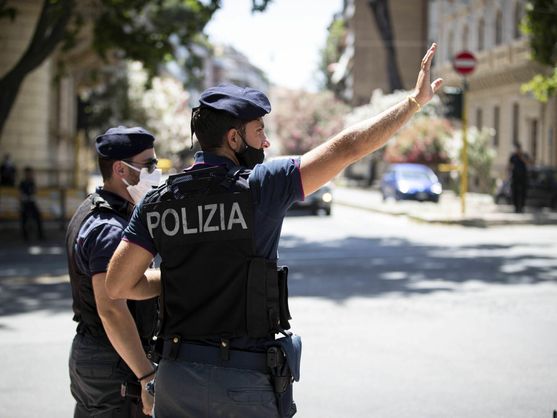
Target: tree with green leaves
[539,25]
[149,31]
[331,53]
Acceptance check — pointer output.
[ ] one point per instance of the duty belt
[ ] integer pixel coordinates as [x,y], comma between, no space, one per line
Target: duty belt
[205,354]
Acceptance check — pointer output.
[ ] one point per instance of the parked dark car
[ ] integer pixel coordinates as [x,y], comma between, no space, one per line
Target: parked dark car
[319,201]
[412,182]
[542,188]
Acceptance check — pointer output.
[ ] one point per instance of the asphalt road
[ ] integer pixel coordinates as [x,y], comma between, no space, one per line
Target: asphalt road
[398,319]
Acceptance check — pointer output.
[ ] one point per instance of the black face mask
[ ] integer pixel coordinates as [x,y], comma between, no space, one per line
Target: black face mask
[249,157]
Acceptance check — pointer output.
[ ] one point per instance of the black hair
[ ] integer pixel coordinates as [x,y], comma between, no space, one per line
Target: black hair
[105,167]
[210,127]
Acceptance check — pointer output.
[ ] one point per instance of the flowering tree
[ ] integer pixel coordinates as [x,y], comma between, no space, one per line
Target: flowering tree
[480,157]
[164,107]
[424,141]
[304,120]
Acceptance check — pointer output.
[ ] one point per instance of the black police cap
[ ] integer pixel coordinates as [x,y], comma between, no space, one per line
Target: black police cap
[243,103]
[121,142]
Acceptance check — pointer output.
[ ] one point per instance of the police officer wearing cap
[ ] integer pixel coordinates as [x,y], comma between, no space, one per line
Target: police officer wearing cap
[216,227]
[107,353]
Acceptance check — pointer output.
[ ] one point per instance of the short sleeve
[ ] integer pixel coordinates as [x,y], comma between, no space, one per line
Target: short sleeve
[277,185]
[101,247]
[137,232]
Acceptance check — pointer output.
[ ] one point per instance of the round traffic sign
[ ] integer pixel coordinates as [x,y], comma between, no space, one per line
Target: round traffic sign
[464,62]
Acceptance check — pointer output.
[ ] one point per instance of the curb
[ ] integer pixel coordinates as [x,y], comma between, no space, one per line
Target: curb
[475,222]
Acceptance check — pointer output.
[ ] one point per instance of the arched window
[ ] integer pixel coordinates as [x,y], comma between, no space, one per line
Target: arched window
[498,28]
[517,18]
[481,34]
[465,36]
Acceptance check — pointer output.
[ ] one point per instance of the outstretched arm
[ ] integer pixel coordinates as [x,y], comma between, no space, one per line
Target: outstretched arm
[321,164]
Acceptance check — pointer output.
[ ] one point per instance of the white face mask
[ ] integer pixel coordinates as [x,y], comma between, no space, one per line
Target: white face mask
[146,182]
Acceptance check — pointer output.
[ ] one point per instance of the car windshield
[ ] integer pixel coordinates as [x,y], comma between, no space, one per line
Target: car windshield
[414,176]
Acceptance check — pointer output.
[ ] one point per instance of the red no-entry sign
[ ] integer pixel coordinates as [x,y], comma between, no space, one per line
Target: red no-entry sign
[464,63]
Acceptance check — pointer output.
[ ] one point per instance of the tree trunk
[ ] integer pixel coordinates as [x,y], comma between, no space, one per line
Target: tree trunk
[380,11]
[49,32]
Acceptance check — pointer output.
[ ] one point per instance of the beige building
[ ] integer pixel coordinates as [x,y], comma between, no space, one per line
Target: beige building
[489,29]
[41,130]
[363,66]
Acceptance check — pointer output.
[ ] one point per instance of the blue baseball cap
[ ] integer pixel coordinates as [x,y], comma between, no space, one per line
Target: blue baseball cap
[243,103]
[121,142]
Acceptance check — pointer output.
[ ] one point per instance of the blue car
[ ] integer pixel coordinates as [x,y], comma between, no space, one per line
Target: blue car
[412,182]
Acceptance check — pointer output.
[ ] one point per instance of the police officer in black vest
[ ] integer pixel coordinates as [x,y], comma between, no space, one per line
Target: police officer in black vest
[108,349]
[216,227]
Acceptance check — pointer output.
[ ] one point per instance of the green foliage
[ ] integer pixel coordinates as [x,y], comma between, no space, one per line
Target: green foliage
[149,31]
[7,12]
[539,24]
[424,141]
[109,104]
[330,54]
[542,86]
[304,120]
[480,158]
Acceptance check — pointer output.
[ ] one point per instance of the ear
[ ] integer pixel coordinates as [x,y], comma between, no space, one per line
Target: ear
[232,139]
[118,169]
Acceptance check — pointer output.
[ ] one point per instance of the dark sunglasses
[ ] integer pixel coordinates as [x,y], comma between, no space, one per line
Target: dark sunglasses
[150,165]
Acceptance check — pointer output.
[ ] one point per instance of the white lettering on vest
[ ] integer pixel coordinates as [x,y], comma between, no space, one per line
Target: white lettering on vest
[211,218]
[239,219]
[185,222]
[200,218]
[222,224]
[153,220]
[174,231]
[207,226]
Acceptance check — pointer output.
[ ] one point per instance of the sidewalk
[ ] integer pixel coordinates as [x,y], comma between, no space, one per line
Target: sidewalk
[481,211]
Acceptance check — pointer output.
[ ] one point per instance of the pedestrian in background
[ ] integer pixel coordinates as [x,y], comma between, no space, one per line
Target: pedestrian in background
[112,335]
[7,172]
[518,172]
[216,228]
[30,212]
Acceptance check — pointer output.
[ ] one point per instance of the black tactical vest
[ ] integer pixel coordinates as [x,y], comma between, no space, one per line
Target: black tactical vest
[84,306]
[213,285]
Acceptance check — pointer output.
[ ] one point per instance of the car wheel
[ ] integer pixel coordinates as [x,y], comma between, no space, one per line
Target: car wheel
[328,211]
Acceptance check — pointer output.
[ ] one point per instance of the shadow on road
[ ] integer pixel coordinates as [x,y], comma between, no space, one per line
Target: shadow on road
[33,276]
[365,267]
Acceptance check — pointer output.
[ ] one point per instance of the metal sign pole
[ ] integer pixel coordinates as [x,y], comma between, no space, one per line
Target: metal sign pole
[464,154]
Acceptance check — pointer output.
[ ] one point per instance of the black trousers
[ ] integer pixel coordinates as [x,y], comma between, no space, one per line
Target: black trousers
[30,212]
[519,188]
[192,390]
[96,375]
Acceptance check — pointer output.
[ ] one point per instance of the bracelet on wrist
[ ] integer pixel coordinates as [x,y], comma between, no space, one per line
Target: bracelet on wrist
[415,102]
[151,373]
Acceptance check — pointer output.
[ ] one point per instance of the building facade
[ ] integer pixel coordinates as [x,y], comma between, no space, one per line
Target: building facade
[362,67]
[490,30]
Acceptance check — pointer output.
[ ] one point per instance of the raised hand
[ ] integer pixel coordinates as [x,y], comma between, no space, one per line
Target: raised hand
[425,89]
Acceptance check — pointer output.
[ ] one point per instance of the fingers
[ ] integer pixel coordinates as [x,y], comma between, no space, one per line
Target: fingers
[436,85]
[426,61]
